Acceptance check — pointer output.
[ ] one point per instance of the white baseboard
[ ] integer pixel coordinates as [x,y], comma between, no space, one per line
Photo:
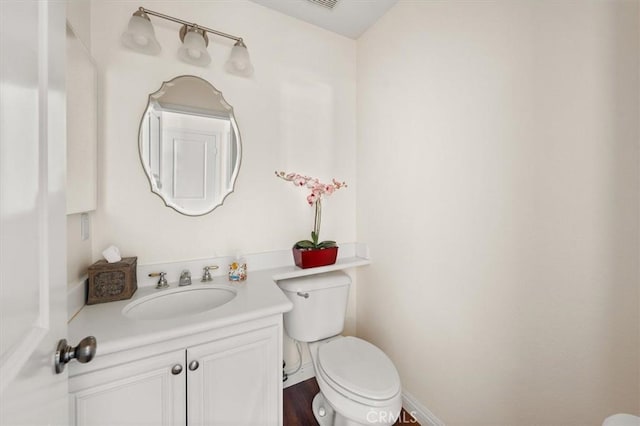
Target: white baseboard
[419,411]
[305,373]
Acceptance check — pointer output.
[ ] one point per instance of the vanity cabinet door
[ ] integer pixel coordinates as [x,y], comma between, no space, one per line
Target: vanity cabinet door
[236,380]
[150,391]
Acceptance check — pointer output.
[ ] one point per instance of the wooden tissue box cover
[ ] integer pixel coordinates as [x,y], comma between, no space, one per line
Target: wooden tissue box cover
[109,282]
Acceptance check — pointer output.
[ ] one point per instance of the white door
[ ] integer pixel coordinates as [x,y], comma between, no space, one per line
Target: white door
[32,211]
[191,158]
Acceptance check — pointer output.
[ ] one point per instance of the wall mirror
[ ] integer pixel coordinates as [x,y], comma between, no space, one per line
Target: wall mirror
[190,145]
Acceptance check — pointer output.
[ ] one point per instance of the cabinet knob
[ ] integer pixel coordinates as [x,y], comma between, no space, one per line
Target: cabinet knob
[176,369]
[193,365]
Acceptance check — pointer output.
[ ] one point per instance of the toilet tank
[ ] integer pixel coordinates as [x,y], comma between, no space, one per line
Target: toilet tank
[319,305]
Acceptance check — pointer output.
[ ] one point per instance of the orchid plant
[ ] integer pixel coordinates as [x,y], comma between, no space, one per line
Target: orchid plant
[317,190]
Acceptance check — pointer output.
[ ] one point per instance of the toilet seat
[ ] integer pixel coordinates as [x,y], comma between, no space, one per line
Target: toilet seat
[358,370]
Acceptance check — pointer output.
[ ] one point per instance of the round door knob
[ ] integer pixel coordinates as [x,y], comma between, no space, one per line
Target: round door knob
[193,365]
[84,352]
[176,369]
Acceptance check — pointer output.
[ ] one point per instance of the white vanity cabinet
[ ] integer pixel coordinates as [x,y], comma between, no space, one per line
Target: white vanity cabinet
[238,381]
[143,392]
[229,376]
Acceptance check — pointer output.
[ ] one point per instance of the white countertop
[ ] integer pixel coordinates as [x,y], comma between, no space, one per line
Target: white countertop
[257,297]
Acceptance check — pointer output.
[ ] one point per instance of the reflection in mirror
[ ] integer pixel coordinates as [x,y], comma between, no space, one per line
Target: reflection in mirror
[190,145]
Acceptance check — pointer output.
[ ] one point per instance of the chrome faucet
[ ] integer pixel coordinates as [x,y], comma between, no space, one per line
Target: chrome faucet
[206,274]
[162,282]
[185,278]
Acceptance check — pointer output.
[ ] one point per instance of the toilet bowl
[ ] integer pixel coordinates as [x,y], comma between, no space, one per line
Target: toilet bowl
[359,385]
[622,420]
[358,382]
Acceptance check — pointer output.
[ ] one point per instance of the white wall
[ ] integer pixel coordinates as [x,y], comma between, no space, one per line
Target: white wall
[79,16]
[498,190]
[296,114]
[497,177]
[79,256]
[79,251]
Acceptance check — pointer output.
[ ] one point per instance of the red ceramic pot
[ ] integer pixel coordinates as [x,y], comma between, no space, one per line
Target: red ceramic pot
[311,258]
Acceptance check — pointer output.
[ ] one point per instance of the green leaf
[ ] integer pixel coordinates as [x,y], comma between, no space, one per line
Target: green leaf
[304,244]
[327,244]
[314,237]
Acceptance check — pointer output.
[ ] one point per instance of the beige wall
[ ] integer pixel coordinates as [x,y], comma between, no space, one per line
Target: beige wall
[498,190]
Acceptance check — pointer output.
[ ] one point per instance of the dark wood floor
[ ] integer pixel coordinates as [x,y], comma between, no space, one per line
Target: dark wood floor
[297,405]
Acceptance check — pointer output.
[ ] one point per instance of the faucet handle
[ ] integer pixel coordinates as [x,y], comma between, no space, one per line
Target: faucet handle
[206,275]
[162,282]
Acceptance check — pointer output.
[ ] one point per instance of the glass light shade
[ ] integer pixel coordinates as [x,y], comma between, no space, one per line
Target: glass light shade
[140,36]
[239,62]
[194,49]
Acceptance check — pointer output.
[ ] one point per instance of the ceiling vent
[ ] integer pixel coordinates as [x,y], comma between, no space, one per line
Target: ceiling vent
[329,4]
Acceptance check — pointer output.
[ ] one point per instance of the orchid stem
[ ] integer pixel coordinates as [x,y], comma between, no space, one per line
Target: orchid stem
[316,221]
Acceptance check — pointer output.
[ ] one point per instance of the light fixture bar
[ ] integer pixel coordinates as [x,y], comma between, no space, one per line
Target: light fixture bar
[190,24]
[140,37]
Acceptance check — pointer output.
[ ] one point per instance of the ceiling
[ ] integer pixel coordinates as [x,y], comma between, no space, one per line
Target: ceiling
[351,18]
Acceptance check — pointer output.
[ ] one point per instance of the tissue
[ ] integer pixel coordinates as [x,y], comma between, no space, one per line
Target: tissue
[112,254]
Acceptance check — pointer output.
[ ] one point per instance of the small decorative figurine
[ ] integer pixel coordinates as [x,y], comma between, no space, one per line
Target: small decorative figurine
[238,270]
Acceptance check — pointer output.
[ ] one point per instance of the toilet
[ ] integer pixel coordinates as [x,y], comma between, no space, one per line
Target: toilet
[359,385]
[622,420]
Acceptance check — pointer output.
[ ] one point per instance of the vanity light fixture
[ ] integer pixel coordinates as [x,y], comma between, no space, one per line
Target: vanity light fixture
[194,46]
[140,37]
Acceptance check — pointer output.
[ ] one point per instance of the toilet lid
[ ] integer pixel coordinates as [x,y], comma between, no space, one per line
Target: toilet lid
[359,367]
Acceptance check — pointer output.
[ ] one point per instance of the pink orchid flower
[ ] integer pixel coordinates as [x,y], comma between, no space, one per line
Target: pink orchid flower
[318,190]
[312,198]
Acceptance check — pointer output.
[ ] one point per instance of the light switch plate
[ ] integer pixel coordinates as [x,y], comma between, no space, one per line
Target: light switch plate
[85,231]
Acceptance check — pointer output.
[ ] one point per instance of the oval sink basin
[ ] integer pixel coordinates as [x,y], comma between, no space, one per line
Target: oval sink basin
[179,302]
